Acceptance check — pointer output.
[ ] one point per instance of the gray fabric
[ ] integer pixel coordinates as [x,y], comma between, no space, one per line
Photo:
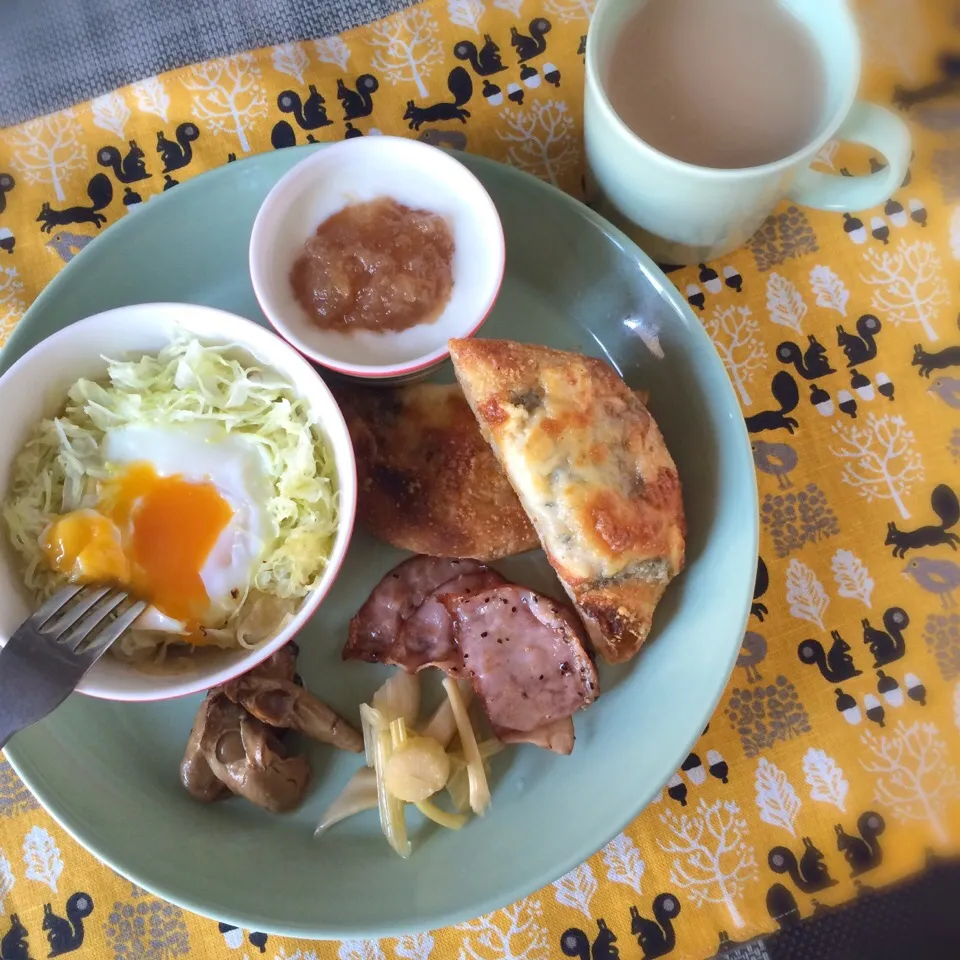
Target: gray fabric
[56,53]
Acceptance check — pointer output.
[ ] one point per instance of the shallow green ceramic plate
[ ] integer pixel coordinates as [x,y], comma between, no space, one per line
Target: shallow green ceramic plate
[108,772]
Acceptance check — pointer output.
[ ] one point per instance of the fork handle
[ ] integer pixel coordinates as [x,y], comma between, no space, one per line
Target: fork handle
[20,705]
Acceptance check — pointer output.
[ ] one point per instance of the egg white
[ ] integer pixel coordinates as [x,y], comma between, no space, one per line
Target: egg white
[235,466]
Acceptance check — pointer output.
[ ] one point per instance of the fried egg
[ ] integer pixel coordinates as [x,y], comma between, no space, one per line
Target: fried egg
[180,520]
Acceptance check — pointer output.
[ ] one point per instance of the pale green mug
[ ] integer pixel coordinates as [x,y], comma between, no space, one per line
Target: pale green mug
[681,213]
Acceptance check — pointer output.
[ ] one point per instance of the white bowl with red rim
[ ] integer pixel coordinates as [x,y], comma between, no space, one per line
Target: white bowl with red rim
[416,175]
[36,386]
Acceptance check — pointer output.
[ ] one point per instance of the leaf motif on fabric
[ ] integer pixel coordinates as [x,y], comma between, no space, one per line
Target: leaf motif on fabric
[829,289]
[513,933]
[110,112]
[785,303]
[361,950]
[623,862]
[571,9]
[152,97]
[805,594]
[332,50]
[576,889]
[513,6]
[776,799]
[291,59]
[826,779]
[41,857]
[416,946]
[465,13]
[6,880]
[852,577]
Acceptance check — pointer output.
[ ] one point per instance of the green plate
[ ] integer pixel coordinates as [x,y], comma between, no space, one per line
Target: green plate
[108,773]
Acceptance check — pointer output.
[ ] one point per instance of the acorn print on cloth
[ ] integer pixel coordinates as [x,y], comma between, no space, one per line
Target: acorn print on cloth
[832,762]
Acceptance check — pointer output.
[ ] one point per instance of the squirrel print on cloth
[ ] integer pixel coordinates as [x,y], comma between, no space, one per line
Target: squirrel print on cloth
[485,61]
[656,937]
[809,874]
[575,943]
[358,103]
[836,664]
[461,86]
[177,154]
[887,647]
[947,507]
[861,346]
[13,944]
[862,853]
[127,169]
[786,393]
[940,360]
[66,935]
[811,364]
[100,192]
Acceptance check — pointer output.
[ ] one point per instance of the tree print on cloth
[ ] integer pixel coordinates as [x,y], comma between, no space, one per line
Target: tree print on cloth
[734,332]
[795,519]
[146,928]
[228,97]
[513,933]
[407,48]
[829,289]
[764,714]
[712,857]
[48,150]
[910,285]
[541,139]
[465,13]
[332,50]
[914,777]
[881,459]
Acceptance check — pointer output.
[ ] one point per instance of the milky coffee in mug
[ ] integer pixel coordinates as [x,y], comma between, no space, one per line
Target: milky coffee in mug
[701,115]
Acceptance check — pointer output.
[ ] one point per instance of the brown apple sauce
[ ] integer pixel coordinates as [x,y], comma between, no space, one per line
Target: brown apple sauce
[377,265]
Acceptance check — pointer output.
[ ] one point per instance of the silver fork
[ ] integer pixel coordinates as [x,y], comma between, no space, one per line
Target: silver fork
[50,652]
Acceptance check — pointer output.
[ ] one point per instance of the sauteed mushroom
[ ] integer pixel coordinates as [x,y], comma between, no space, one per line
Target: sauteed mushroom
[281,703]
[247,757]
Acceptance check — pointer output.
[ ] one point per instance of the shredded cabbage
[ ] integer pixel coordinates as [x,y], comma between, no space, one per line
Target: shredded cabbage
[61,466]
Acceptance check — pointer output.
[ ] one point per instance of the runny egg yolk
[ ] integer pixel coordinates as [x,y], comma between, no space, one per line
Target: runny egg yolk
[149,533]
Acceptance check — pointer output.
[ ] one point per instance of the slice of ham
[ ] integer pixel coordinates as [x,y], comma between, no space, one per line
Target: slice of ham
[426,637]
[525,655]
[377,623]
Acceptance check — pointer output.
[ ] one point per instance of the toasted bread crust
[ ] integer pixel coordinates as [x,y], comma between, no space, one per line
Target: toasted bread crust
[428,482]
[593,473]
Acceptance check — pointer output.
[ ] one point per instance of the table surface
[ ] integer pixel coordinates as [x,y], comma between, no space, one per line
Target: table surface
[817,785]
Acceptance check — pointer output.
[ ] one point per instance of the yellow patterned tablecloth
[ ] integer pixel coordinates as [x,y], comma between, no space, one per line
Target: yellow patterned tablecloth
[831,763]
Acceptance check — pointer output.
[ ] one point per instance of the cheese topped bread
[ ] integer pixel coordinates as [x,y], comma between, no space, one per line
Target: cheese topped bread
[591,469]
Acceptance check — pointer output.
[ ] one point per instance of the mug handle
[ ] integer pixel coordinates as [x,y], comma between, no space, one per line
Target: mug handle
[876,127]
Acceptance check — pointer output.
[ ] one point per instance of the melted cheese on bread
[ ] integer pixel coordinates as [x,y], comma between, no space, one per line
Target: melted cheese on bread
[593,473]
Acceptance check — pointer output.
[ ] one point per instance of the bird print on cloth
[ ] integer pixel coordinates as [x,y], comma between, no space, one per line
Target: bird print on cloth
[830,766]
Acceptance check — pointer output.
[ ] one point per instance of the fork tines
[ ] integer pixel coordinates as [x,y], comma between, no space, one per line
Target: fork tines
[77,614]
